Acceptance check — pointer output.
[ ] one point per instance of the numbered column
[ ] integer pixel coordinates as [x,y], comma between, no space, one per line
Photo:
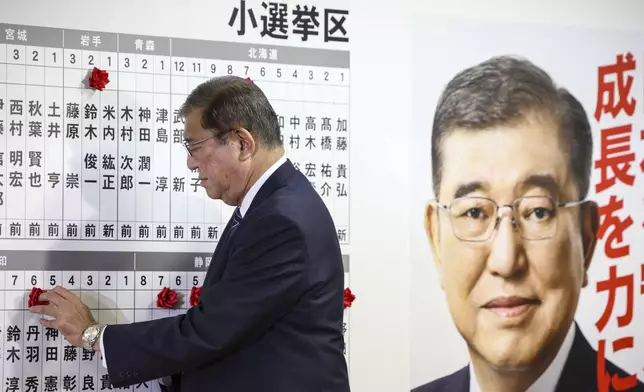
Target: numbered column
[91,294]
[73,80]
[109,157]
[14,325]
[33,356]
[179,172]
[68,355]
[16,131]
[54,142]
[51,339]
[162,147]
[197,220]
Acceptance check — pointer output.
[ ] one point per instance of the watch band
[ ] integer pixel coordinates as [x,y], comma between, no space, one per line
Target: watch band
[90,335]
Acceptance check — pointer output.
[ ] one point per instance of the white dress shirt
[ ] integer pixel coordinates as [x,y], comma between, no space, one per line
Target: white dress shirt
[547,382]
[243,208]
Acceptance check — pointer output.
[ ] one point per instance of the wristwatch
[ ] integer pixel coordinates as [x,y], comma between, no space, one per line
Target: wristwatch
[91,335]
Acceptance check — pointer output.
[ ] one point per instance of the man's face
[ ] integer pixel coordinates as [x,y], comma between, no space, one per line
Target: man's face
[217,162]
[546,276]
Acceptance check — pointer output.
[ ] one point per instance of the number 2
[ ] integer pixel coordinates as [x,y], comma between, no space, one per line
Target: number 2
[91,59]
[35,58]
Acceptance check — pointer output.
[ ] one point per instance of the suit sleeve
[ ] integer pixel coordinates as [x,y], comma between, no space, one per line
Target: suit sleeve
[265,277]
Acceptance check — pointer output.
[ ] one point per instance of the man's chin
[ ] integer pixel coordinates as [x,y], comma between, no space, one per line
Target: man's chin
[211,193]
[508,353]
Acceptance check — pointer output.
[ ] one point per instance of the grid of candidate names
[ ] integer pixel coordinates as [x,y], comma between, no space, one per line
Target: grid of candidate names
[76,163]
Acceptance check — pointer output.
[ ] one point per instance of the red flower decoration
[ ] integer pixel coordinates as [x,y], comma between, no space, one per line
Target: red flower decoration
[167,298]
[250,80]
[98,79]
[348,298]
[195,293]
[34,295]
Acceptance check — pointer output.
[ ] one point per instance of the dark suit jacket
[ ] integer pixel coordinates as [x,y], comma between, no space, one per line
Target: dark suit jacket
[271,309]
[579,373]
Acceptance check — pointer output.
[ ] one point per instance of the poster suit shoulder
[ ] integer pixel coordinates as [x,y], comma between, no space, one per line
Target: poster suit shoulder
[271,308]
[579,373]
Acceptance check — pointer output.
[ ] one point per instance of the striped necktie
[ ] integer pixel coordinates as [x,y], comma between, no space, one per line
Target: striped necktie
[236,220]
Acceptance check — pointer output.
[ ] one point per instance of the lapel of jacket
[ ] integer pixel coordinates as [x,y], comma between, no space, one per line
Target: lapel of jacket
[216,267]
[222,250]
[277,180]
[580,370]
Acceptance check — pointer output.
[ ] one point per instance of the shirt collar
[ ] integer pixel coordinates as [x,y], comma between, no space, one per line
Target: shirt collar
[547,382]
[252,192]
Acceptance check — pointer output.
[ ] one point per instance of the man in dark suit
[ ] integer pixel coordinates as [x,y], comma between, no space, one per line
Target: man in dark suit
[512,232]
[270,313]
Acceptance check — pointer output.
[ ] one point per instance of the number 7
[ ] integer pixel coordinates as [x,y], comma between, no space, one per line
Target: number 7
[160,280]
[246,66]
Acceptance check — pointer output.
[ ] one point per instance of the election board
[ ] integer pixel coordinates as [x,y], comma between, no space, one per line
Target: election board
[103,175]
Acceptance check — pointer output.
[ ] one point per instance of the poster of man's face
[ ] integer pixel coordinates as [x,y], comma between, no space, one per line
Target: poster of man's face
[514,221]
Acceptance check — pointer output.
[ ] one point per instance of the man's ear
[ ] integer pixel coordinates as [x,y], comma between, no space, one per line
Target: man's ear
[432,232]
[247,144]
[590,227]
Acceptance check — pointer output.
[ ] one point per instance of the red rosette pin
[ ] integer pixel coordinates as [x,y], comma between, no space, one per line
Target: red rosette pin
[98,79]
[34,295]
[250,80]
[348,298]
[167,298]
[195,294]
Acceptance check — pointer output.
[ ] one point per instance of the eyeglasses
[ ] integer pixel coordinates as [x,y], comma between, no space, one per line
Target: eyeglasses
[476,218]
[188,146]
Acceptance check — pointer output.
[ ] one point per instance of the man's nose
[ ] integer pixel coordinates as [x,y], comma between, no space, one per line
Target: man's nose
[191,162]
[506,258]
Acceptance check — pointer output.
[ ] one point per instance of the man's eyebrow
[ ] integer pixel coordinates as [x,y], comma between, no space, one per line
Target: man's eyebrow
[467,188]
[544,181]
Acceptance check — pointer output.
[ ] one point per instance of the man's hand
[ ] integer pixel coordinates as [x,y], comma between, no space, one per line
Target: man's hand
[71,316]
